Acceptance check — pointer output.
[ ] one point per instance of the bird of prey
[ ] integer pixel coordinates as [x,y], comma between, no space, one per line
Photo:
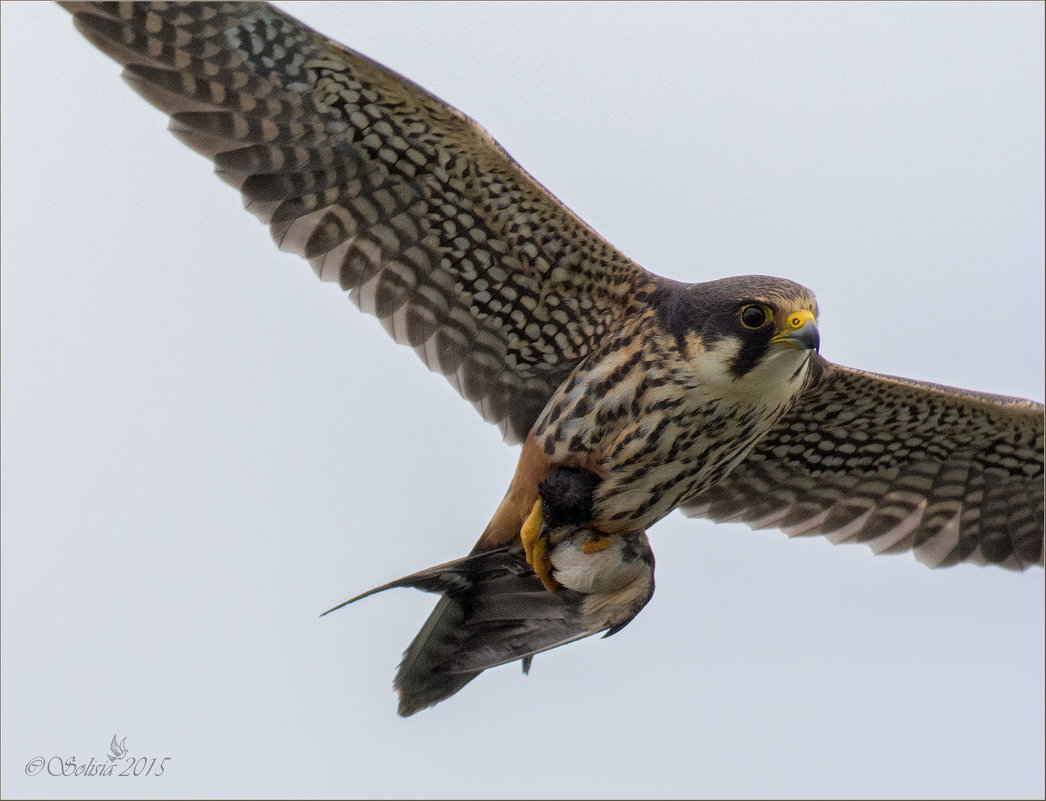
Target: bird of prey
[632,394]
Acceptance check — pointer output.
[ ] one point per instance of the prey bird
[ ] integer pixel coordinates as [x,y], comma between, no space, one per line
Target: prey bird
[632,394]
[495,610]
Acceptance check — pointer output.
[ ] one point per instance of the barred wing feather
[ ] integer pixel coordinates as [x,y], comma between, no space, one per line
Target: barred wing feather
[403,200]
[901,465]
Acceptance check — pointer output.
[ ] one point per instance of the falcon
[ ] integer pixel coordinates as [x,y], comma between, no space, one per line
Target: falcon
[632,395]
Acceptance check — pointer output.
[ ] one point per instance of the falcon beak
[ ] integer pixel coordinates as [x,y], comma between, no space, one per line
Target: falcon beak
[800,331]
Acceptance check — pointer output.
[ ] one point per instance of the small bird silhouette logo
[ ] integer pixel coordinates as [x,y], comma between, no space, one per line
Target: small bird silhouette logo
[118,748]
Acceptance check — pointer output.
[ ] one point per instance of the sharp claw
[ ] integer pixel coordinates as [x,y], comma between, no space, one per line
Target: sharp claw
[535,547]
[531,531]
[543,565]
[600,543]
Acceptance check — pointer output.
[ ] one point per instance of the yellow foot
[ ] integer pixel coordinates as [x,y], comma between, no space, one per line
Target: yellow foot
[536,547]
[599,543]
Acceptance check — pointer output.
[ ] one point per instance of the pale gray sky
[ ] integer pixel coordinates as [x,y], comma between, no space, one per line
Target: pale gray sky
[204,447]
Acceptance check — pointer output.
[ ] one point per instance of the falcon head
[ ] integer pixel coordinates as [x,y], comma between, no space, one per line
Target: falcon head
[748,334]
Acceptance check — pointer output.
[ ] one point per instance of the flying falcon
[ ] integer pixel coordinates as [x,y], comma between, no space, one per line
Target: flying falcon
[632,394]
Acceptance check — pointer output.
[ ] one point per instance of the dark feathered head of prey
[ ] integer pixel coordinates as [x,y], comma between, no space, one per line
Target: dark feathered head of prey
[749,323]
[495,610]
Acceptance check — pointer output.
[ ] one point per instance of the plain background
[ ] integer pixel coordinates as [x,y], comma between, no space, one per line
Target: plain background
[204,447]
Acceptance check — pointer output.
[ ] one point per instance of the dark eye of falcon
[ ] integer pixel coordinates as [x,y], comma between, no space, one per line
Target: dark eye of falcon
[753,316]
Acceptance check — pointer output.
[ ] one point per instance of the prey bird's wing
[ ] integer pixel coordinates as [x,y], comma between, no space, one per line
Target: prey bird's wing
[493,610]
[404,201]
[954,476]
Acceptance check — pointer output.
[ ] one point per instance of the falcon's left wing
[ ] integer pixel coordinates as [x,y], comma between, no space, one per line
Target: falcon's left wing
[407,203]
[954,476]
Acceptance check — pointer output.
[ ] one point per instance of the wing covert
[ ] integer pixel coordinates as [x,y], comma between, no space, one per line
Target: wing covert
[403,200]
[900,465]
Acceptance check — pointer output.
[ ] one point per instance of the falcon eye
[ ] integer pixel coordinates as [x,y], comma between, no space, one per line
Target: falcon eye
[753,316]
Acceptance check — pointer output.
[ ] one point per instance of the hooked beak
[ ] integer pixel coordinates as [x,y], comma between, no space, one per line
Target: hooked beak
[799,330]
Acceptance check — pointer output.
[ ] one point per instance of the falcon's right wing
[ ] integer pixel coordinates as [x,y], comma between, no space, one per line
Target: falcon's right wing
[900,465]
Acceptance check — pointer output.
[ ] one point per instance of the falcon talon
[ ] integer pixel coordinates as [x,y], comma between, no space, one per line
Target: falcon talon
[542,564]
[534,536]
[596,544]
[532,530]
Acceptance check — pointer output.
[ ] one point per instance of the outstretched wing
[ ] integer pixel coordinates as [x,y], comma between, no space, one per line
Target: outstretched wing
[403,200]
[900,465]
